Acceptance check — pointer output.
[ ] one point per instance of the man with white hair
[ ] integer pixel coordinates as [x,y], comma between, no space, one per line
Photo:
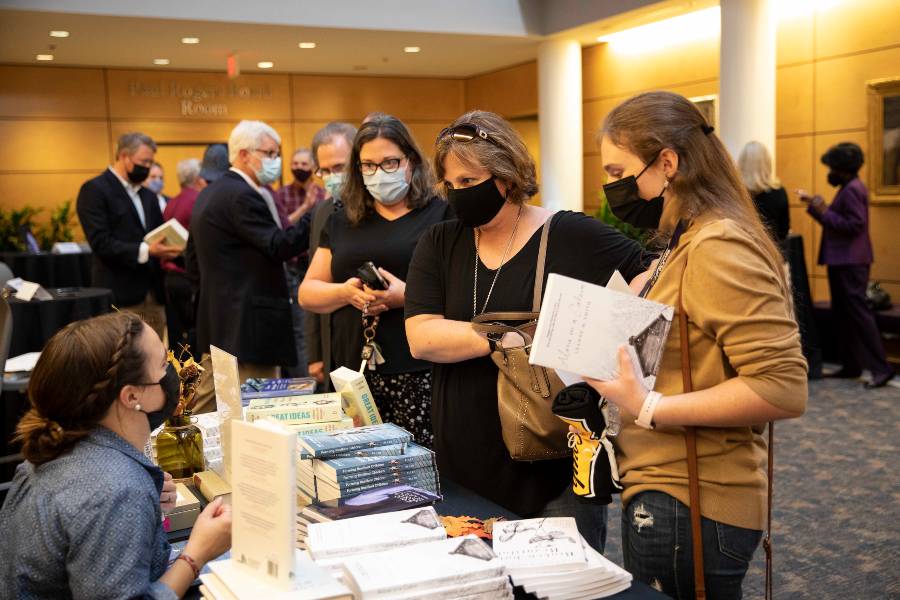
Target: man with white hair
[237,248]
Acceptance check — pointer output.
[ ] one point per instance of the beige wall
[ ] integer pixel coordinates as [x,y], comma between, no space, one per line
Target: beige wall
[59,125]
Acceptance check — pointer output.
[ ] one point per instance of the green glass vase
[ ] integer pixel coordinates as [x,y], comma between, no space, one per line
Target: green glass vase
[179,447]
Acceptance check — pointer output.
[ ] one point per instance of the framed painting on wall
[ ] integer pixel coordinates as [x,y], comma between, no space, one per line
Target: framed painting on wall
[884,139]
[708,105]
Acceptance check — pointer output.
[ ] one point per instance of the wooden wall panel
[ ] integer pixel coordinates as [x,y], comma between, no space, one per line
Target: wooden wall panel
[41,190]
[594,178]
[53,145]
[197,96]
[794,163]
[794,39]
[330,98]
[304,132]
[511,92]
[175,131]
[52,92]
[794,99]
[843,27]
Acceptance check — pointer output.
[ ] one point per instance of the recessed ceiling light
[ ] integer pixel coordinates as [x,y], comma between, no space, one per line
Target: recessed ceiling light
[190,40]
[44,57]
[412,49]
[160,61]
[266,64]
[59,33]
[307,45]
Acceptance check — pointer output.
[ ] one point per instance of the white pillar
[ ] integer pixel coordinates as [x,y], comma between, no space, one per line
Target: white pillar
[559,117]
[747,74]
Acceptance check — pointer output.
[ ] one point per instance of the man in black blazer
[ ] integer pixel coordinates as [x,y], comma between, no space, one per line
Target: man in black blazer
[236,252]
[115,214]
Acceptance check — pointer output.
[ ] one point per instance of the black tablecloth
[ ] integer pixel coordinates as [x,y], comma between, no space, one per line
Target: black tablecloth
[50,270]
[803,307]
[36,321]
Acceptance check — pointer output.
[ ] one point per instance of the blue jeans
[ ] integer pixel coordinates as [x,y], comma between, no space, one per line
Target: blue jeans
[590,517]
[656,544]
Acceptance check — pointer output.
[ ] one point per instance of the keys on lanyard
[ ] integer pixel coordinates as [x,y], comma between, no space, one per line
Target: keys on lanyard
[371,352]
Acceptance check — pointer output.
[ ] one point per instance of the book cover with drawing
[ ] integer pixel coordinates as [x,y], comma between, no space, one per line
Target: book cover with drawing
[581,327]
[425,478]
[172,233]
[328,445]
[328,426]
[359,403]
[374,532]
[414,571]
[543,544]
[263,500]
[334,469]
[389,499]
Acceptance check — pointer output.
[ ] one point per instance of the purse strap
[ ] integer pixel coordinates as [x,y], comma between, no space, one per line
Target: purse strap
[690,440]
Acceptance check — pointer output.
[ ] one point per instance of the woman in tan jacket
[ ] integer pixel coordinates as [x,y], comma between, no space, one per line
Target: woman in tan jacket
[666,170]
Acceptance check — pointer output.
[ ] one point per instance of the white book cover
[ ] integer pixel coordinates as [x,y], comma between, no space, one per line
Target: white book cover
[422,567]
[310,582]
[171,232]
[539,545]
[489,588]
[582,325]
[263,500]
[227,382]
[374,532]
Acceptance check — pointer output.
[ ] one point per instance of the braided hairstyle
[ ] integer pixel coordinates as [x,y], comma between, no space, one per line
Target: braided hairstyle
[79,375]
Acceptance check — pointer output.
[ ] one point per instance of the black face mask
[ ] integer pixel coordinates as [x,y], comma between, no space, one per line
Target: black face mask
[138,174]
[171,388]
[301,175]
[626,203]
[477,205]
[836,179]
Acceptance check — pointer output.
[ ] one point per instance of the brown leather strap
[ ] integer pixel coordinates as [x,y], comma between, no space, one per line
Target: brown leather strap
[690,441]
[541,264]
[767,541]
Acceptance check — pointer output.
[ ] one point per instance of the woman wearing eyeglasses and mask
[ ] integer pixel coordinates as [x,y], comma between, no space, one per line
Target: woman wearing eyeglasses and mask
[388,203]
[667,170]
[483,262]
[82,519]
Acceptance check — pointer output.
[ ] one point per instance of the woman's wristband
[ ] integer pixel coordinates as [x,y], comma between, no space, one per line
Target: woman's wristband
[645,418]
[191,563]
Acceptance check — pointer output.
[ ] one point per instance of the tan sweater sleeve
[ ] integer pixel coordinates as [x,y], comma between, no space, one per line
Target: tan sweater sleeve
[732,294]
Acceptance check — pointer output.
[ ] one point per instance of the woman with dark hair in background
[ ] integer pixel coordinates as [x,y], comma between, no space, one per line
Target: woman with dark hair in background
[83,516]
[668,171]
[755,165]
[388,203]
[847,251]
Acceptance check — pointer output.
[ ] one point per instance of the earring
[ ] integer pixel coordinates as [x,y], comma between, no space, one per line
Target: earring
[137,407]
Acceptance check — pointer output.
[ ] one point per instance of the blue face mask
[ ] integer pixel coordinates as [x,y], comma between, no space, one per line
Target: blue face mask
[387,188]
[269,171]
[155,186]
[333,183]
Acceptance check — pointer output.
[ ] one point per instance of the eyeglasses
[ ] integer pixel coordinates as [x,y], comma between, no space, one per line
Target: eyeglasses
[269,154]
[388,165]
[339,168]
[466,132]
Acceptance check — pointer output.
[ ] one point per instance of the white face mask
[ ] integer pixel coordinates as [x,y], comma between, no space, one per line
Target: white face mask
[387,188]
[269,171]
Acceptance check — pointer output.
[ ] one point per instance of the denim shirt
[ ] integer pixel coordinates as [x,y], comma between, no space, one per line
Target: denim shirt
[85,525]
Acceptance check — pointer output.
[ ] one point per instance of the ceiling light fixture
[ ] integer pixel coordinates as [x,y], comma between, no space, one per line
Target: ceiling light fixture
[59,33]
[160,61]
[266,64]
[190,40]
[412,49]
[307,45]
[44,57]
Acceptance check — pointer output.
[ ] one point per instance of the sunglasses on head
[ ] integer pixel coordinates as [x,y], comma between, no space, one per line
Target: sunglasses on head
[466,132]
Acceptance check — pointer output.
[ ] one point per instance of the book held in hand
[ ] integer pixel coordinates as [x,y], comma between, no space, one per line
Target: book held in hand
[582,325]
[172,233]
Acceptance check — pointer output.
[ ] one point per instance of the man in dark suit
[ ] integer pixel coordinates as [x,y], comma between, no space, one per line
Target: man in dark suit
[237,248]
[847,251]
[331,147]
[115,214]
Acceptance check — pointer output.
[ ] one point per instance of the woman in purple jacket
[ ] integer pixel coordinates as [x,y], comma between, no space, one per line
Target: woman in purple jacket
[847,251]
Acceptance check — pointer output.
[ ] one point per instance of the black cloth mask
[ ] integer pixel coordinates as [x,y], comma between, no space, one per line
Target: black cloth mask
[138,174]
[171,388]
[301,175]
[627,205]
[477,205]
[836,179]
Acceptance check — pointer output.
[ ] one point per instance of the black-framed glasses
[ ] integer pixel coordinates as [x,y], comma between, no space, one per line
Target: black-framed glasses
[466,132]
[388,165]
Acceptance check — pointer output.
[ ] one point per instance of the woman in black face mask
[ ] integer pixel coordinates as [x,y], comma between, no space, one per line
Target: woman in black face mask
[846,249]
[96,391]
[484,262]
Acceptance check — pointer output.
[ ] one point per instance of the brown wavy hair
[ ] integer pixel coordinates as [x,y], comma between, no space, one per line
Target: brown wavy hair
[707,181]
[358,202]
[507,160]
[79,375]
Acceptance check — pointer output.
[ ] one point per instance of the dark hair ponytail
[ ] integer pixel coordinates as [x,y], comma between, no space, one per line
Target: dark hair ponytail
[77,378]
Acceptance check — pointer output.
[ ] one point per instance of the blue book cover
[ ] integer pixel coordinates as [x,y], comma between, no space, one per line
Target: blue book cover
[425,479]
[278,388]
[346,441]
[336,468]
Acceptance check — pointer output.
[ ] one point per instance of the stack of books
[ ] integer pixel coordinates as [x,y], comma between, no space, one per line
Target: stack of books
[550,559]
[294,404]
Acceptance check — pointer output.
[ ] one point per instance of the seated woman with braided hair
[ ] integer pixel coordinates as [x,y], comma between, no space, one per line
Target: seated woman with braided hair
[83,516]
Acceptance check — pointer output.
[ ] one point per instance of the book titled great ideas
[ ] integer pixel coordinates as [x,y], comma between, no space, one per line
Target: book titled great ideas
[582,326]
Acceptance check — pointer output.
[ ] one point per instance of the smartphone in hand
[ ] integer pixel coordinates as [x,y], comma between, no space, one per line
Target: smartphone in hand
[371,276]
